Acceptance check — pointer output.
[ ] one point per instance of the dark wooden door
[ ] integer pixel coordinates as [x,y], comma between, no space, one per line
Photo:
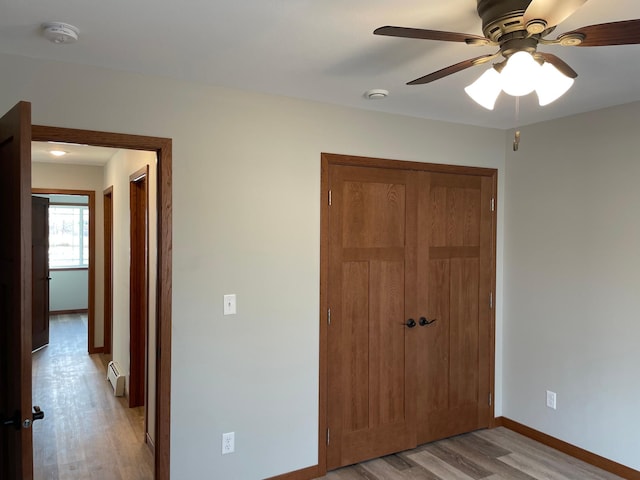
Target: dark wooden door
[40,271]
[455,271]
[16,457]
[371,404]
[407,244]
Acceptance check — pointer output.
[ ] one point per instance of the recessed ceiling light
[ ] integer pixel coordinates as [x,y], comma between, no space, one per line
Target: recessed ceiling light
[376,94]
[58,153]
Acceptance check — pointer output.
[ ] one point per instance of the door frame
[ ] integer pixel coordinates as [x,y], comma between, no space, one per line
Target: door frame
[327,160]
[163,149]
[91,270]
[107,218]
[138,287]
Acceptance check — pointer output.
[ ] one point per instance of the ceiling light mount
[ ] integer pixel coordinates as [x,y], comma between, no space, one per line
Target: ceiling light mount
[60,33]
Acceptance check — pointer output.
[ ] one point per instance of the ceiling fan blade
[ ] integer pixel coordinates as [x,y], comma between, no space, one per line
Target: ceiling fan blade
[420,33]
[453,69]
[626,32]
[559,64]
[551,11]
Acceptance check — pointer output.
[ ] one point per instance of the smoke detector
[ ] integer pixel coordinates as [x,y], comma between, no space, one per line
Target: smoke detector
[58,32]
[376,94]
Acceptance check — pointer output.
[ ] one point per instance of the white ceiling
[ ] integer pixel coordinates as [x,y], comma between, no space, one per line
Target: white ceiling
[76,154]
[320,50]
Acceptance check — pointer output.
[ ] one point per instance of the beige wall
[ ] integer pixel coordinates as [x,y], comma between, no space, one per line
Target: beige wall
[572,275]
[246,220]
[116,175]
[80,177]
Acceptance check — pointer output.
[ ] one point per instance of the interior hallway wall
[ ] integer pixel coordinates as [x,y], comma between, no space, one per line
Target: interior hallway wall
[116,174]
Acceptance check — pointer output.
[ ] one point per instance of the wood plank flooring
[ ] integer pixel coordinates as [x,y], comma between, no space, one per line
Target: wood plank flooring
[87,433]
[498,454]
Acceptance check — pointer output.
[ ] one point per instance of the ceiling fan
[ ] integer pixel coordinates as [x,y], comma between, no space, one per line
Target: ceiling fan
[517,27]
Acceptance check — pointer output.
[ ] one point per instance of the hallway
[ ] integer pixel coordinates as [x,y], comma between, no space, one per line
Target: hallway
[87,433]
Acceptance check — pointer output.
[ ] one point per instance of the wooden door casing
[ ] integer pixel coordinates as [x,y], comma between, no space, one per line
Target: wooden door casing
[138,287]
[108,269]
[40,271]
[16,457]
[162,347]
[449,275]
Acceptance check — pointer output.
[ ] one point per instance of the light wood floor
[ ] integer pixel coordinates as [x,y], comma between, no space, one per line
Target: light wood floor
[87,433]
[497,454]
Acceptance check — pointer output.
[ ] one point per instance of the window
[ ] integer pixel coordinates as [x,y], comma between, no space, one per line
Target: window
[68,236]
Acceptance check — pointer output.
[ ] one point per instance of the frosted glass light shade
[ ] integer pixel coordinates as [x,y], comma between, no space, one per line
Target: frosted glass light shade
[485,89]
[520,75]
[552,84]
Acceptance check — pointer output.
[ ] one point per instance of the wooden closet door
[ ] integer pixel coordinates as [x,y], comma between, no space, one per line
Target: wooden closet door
[455,274]
[371,294]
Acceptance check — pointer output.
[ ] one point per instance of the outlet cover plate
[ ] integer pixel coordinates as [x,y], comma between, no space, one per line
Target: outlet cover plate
[551,399]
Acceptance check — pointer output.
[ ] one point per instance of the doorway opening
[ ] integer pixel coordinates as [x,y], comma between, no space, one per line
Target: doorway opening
[160,348]
[71,258]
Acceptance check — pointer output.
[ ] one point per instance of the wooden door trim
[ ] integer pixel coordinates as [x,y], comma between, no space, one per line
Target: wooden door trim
[138,287]
[163,149]
[355,161]
[91,296]
[331,159]
[107,219]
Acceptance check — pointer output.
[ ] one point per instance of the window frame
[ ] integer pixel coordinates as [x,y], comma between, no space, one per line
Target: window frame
[84,238]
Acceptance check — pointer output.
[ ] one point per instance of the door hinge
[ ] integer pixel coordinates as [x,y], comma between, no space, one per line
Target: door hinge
[329,316]
[490,399]
[490,299]
[329,197]
[328,437]
[493,204]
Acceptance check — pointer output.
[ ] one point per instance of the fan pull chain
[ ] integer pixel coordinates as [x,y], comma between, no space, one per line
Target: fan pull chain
[516,138]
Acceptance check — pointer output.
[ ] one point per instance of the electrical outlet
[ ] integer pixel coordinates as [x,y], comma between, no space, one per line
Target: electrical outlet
[551,399]
[228,442]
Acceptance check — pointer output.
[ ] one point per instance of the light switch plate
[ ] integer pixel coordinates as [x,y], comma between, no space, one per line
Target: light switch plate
[230,304]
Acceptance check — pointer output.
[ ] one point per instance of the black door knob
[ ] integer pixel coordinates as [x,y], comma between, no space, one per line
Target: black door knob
[411,323]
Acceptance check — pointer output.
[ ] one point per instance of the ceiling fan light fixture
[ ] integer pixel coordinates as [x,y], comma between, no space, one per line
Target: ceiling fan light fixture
[551,84]
[485,90]
[520,75]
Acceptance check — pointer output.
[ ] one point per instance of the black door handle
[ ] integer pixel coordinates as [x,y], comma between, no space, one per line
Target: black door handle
[424,321]
[17,423]
[13,421]
[38,414]
[411,323]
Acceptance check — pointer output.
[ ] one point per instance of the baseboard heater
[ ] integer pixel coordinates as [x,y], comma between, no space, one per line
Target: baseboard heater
[115,378]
